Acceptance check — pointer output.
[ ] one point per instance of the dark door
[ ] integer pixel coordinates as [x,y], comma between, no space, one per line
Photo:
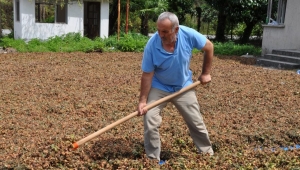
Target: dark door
[93,19]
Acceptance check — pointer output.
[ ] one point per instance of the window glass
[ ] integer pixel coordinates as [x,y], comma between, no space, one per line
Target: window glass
[47,12]
[44,13]
[17,10]
[276,12]
[61,13]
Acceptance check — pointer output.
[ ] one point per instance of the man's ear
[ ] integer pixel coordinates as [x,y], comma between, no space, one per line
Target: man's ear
[176,29]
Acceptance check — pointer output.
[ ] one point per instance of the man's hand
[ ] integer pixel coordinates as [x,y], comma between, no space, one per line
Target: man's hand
[141,109]
[146,80]
[208,49]
[204,78]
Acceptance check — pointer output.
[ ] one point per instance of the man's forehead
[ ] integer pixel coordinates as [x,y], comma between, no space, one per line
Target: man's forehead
[164,25]
[165,21]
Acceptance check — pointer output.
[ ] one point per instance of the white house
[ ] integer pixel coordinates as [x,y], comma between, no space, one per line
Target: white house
[43,18]
[284,32]
[281,37]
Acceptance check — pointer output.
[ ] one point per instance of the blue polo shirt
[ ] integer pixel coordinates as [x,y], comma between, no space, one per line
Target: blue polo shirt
[171,70]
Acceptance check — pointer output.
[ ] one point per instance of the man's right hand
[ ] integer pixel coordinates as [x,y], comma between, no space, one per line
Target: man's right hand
[141,109]
[146,80]
[204,78]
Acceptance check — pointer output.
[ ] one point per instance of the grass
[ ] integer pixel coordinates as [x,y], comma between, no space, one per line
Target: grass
[131,42]
[231,48]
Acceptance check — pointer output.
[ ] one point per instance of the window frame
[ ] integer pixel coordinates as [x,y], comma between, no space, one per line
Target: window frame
[17,10]
[62,15]
[281,10]
[280,13]
[59,16]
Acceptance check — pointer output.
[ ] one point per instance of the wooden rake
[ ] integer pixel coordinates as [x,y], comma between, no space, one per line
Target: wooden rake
[149,106]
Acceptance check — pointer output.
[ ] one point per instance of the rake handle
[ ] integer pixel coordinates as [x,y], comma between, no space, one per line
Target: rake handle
[149,106]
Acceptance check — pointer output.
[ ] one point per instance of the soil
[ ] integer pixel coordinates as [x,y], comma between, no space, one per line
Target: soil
[7,50]
[51,100]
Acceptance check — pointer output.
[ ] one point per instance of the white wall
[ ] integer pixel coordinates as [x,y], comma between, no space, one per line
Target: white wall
[28,29]
[287,37]
[104,20]
[17,24]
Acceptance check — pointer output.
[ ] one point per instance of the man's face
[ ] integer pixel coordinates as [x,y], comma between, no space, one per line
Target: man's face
[165,31]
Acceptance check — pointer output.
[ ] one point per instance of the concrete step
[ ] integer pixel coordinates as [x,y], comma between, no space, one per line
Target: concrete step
[277,64]
[288,52]
[282,58]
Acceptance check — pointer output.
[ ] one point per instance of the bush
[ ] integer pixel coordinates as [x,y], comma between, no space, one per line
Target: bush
[230,48]
[36,45]
[18,44]
[55,44]
[130,42]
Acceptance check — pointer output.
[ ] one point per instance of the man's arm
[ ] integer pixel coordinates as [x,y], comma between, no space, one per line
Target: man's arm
[146,81]
[207,62]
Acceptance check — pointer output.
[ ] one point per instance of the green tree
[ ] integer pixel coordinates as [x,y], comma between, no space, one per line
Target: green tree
[198,13]
[6,14]
[150,11]
[223,8]
[208,15]
[250,13]
[62,2]
[0,18]
[113,16]
[147,10]
[181,8]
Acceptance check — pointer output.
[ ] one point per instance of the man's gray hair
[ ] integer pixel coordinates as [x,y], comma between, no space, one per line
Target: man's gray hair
[171,16]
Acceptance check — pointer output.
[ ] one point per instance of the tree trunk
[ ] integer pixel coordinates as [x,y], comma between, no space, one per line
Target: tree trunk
[247,32]
[43,14]
[207,31]
[1,19]
[231,31]
[220,33]
[144,24]
[199,12]
[10,15]
[127,16]
[113,17]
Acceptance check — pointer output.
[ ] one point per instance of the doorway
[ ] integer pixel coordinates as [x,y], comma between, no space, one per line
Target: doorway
[92,19]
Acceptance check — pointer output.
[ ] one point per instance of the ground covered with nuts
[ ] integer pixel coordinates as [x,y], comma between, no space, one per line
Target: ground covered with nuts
[50,100]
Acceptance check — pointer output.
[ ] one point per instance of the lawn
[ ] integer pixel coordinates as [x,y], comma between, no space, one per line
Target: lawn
[50,100]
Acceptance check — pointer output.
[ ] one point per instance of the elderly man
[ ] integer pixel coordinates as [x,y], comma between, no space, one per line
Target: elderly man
[165,67]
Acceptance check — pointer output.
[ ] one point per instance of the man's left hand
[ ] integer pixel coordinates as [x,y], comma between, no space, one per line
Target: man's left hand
[204,78]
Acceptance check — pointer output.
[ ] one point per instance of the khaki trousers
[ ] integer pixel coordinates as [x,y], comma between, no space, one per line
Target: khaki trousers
[188,106]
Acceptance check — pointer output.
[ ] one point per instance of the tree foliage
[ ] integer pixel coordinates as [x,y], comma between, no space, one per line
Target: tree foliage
[58,1]
[6,17]
[154,7]
[1,19]
[250,12]
[227,14]
[148,10]
[181,8]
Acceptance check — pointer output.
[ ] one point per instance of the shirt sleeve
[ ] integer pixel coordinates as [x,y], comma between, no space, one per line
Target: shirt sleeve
[198,39]
[147,62]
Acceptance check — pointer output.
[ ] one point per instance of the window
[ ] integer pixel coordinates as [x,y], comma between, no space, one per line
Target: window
[276,13]
[61,13]
[281,11]
[46,12]
[17,10]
